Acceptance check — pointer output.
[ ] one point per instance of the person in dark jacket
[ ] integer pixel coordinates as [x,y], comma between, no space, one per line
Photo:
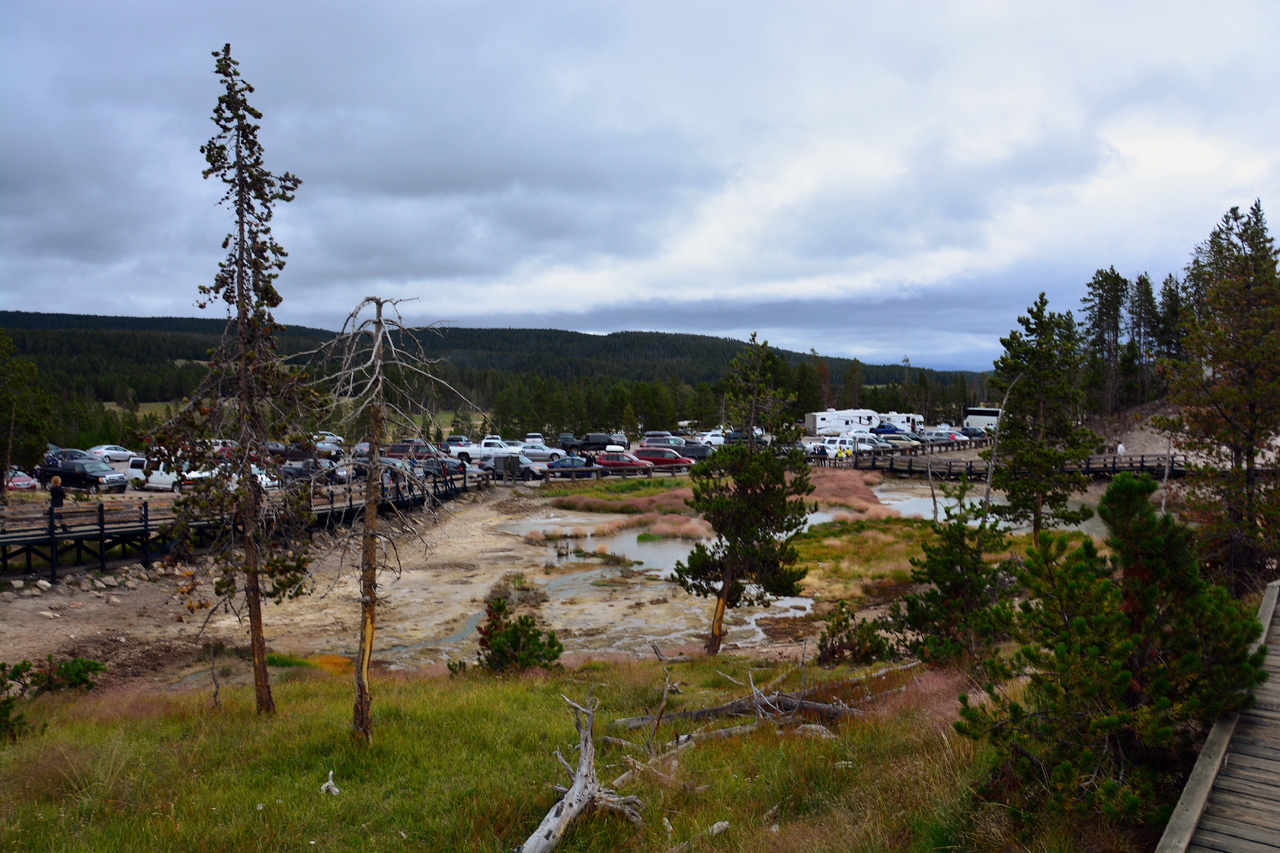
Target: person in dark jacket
[57,495]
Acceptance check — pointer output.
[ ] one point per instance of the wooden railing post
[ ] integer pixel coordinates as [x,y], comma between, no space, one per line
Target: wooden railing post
[146,534]
[102,536]
[53,547]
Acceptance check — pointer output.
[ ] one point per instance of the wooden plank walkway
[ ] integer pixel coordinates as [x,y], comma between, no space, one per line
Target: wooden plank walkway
[1100,465]
[1231,802]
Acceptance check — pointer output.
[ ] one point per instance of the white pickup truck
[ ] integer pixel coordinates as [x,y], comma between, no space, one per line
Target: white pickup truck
[160,478]
[490,446]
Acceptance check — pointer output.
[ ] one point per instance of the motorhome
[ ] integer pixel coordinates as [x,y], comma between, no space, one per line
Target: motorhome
[840,421]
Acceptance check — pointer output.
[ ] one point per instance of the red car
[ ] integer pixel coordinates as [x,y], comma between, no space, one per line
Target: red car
[20,482]
[615,462]
[665,457]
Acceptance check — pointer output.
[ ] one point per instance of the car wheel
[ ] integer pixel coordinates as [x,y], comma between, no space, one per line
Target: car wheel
[684,469]
[93,490]
[555,456]
[176,488]
[464,458]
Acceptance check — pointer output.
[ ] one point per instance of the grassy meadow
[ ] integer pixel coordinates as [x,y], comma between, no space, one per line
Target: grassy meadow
[466,764]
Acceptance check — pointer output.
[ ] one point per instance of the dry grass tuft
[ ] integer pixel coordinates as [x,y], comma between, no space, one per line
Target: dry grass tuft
[333,664]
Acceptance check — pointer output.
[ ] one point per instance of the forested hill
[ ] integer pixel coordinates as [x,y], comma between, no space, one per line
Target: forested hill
[162,358]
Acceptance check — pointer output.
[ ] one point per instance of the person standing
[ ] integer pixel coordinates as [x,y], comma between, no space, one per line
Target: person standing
[57,495]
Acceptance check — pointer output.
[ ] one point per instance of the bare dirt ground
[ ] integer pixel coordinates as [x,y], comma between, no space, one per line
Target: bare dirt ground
[134,620]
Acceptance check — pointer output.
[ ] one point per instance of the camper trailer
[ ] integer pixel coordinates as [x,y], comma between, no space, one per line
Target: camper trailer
[840,421]
[908,422]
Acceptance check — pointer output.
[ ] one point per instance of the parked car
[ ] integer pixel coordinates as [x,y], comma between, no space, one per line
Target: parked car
[318,470]
[662,441]
[566,439]
[326,437]
[664,456]
[973,432]
[696,451]
[112,453]
[159,478]
[456,441]
[528,469]
[900,441]
[592,442]
[620,438]
[21,481]
[534,438]
[92,475]
[572,467]
[539,452]
[714,437]
[886,428]
[621,462]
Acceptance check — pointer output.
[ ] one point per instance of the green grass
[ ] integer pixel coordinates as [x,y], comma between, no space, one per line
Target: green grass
[285,661]
[614,489]
[462,765]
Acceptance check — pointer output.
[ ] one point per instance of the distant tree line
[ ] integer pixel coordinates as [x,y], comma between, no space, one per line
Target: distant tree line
[518,379]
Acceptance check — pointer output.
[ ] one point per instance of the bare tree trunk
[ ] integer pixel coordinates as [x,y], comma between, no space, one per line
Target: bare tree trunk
[717,619]
[362,719]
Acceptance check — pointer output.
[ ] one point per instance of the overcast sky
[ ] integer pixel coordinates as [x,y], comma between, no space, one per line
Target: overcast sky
[875,180]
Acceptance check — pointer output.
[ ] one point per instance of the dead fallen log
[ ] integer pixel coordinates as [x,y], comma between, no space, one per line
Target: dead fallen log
[584,794]
[788,702]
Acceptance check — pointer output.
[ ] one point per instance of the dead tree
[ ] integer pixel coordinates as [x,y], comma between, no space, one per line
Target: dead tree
[584,794]
[357,367]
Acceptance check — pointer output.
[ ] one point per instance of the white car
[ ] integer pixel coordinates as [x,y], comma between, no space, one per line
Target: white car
[112,453]
[714,438]
[326,437]
[540,452]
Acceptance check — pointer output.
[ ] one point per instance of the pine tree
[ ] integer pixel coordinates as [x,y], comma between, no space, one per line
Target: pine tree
[1104,310]
[1039,434]
[1228,387]
[250,393]
[1121,667]
[753,499]
[961,610]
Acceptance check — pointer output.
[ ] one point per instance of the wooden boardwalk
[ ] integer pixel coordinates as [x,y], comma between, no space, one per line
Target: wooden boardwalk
[1231,803]
[1099,465]
[40,537]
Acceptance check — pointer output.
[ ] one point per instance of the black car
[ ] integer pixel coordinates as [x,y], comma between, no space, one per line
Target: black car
[319,470]
[572,466]
[527,469]
[696,451]
[91,474]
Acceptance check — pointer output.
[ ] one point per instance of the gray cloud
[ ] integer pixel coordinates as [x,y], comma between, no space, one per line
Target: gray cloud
[868,181]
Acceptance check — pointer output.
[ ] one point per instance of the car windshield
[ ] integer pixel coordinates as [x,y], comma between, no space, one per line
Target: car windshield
[97,468]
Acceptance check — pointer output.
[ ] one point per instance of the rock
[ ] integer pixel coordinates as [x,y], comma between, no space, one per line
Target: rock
[86,585]
[8,596]
[113,599]
[44,585]
[97,584]
[18,584]
[48,614]
[110,581]
[62,589]
[31,593]
[56,605]
[130,584]
[153,576]
[815,730]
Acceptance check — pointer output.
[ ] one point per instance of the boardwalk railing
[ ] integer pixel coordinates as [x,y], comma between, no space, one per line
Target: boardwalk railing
[80,532]
[1102,465]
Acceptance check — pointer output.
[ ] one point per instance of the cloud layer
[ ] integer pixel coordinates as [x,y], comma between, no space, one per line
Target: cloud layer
[870,180]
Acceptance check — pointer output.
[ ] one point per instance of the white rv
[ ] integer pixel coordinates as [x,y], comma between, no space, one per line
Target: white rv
[908,422]
[982,418]
[840,421]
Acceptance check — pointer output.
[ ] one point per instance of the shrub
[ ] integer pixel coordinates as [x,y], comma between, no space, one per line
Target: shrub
[514,644]
[846,639]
